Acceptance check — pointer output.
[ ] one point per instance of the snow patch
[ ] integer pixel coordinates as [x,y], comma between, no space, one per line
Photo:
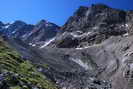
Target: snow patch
[79,48]
[24,36]
[78,61]
[48,42]
[83,48]
[6,26]
[88,12]
[76,35]
[31,44]
[126,25]
[13,32]
[126,34]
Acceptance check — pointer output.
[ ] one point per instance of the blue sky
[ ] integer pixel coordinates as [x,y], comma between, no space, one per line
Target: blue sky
[56,11]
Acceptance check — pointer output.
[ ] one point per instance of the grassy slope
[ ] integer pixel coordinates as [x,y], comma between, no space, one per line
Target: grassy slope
[11,62]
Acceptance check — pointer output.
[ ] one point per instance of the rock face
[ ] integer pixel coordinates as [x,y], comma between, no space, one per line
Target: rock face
[92,25]
[97,15]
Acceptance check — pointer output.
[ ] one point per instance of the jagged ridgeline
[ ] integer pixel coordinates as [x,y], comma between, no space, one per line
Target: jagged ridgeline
[15,73]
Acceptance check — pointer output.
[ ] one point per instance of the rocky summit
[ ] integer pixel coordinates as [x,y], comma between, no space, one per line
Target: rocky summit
[92,50]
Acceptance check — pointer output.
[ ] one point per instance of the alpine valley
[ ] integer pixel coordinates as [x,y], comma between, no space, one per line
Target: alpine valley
[92,50]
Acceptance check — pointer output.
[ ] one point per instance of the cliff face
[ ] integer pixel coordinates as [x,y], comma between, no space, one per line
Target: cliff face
[92,25]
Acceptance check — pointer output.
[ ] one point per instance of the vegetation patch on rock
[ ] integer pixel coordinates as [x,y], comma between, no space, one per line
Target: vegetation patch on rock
[15,73]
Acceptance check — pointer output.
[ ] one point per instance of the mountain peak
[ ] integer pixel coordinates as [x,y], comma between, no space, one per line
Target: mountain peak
[19,22]
[42,22]
[1,23]
[100,5]
[81,11]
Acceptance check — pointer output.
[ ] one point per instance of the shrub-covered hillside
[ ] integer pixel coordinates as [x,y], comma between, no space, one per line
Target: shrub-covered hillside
[15,73]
